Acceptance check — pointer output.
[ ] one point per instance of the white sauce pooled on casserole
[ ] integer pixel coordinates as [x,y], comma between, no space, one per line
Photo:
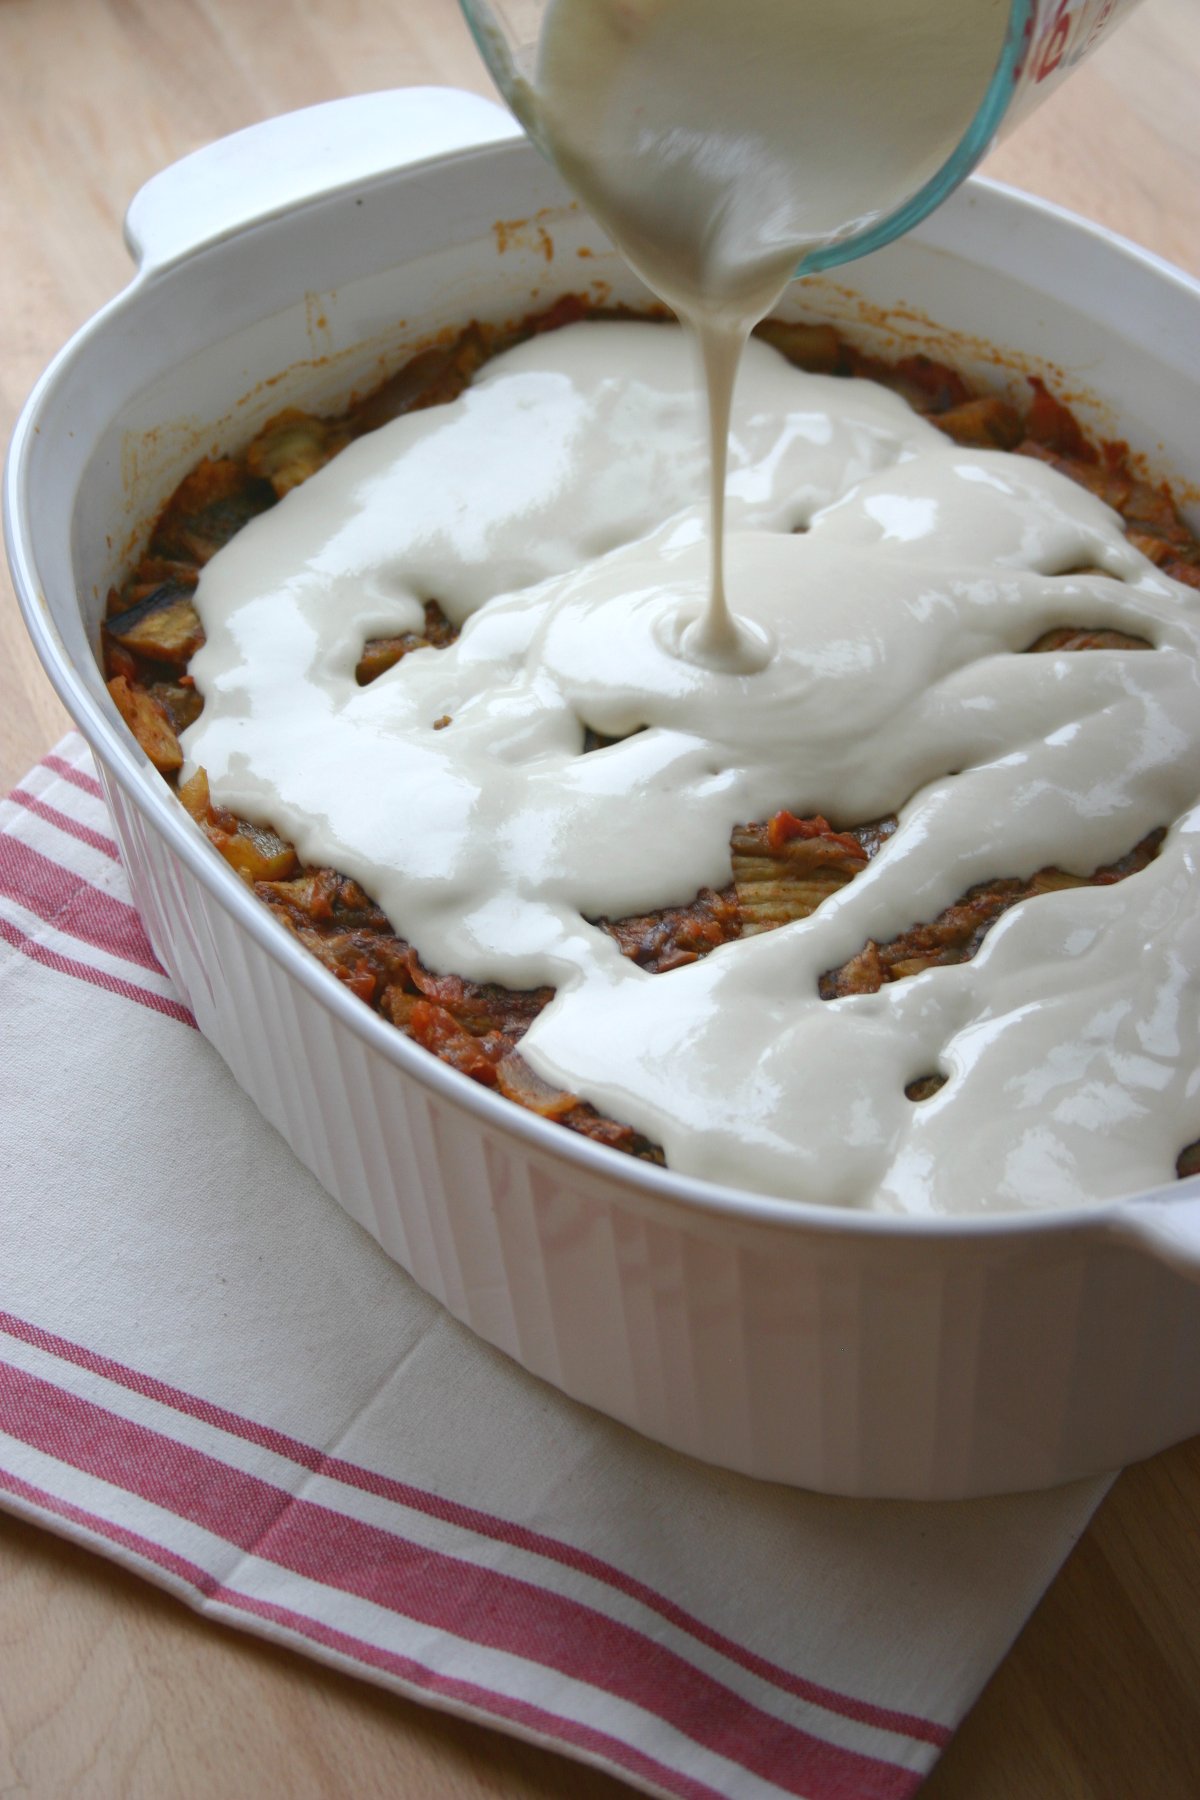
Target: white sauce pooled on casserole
[552,510]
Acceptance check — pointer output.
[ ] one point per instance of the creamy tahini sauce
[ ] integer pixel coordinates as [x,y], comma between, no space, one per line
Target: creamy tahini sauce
[555,511]
[718,142]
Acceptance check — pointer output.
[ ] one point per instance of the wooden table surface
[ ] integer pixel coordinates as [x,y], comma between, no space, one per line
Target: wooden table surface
[109,1688]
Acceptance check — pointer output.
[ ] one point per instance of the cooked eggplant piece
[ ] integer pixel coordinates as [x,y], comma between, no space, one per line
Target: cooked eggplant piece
[164,627]
[255,851]
[598,740]
[930,387]
[816,348]
[182,704]
[1188,1161]
[148,723]
[152,572]
[518,1082]
[924,1088]
[209,506]
[194,796]
[292,446]
[430,379]
[989,423]
[381,654]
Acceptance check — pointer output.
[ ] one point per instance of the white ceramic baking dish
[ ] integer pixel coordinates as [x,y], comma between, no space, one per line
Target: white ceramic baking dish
[848,1352]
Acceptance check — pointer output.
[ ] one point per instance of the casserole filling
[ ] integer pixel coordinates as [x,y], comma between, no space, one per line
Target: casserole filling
[678,947]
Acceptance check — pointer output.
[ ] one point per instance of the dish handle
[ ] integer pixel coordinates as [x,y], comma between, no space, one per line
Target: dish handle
[262,171]
[1164,1224]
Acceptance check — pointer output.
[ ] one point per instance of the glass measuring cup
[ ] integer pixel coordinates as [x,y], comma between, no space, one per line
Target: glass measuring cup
[1043,40]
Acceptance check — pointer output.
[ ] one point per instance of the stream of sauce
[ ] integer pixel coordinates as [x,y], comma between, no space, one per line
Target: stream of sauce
[718,143]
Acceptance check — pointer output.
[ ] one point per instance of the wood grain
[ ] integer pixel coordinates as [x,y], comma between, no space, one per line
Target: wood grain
[108,1688]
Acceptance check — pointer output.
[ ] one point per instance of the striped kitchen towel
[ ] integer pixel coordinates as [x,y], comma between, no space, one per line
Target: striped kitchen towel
[209,1374]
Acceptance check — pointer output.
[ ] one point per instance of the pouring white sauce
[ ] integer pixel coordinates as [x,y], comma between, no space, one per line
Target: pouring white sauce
[717,143]
[552,511]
